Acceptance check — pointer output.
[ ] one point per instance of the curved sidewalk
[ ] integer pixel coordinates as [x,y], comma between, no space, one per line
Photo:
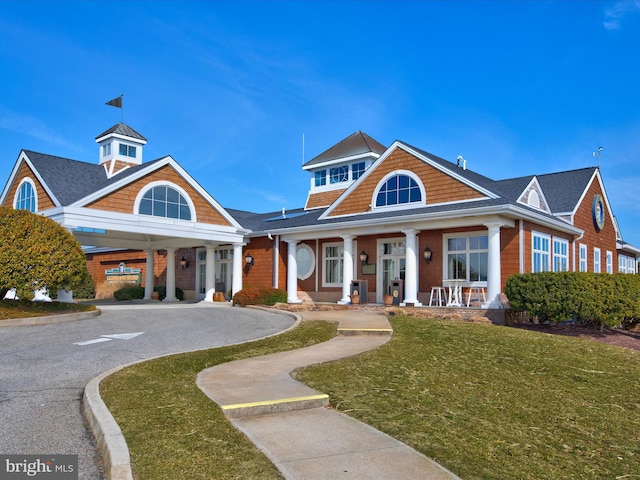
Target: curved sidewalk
[290,423]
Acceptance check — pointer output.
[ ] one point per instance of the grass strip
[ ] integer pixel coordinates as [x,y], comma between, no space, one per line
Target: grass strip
[174,431]
[10,309]
[492,402]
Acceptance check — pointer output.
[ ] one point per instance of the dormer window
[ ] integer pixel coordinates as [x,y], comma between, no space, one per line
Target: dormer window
[339,174]
[127,150]
[320,178]
[26,198]
[106,149]
[357,169]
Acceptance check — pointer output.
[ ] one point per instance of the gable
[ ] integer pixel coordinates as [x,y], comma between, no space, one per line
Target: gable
[122,200]
[533,197]
[439,186]
[583,217]
[45,201]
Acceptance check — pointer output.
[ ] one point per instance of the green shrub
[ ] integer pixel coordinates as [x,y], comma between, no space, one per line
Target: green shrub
[129,293]
[87,288]
[162,292]
[591,298]
[259,296]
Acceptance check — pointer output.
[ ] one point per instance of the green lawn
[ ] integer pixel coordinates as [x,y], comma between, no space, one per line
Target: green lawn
[492,402]
[174,431]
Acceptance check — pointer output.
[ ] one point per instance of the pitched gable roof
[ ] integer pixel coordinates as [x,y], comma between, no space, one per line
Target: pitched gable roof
[358,143]
[70,180]
[564,190]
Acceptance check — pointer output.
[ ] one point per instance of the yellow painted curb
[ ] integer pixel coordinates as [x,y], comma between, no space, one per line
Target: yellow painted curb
[273,402]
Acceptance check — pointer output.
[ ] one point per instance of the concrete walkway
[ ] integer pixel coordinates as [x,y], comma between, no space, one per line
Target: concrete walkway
[290,423]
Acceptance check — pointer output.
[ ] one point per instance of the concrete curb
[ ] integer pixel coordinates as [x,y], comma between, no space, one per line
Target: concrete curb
[105,429]
[48,319]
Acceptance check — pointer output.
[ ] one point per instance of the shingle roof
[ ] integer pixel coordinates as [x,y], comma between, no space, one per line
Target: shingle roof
[563,190]
[358,143]
[123,129]
[70,180]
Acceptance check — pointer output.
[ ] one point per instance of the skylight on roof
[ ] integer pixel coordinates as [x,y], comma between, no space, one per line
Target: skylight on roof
[285,216]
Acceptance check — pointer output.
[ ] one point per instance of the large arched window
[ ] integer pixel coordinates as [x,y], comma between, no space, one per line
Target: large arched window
[399,189]
[165,201]
[26,198]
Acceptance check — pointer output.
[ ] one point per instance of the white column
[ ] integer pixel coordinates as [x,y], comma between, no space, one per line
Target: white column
[411,269]
[292,272]
[149,276]
[493,261]
[238,261]
[171,275]
[347,269]
[209,270]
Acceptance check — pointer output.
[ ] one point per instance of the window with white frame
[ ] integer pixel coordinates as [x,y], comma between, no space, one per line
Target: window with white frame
[127,150]
[333,260]
[583,258]
[627,264]
[320,178]
[164,201]
[541,254]
[305,259]
[339,174]
[596,260]
[26,198]
[106,149]
[467,257]
[560,255]
[399,189]
[632,265]
[609,258]
[357,169]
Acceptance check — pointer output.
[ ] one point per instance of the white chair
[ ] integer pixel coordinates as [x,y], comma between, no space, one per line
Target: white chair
[475,293]
[439,294]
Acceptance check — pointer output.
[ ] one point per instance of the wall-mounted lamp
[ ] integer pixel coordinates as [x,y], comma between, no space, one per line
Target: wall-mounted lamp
[183,263]
[364,258]
[427,254]
[248,259]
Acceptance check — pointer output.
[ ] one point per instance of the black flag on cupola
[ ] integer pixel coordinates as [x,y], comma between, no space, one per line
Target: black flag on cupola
[116,102]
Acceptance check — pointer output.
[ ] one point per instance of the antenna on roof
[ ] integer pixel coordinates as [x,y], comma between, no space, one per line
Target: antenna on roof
[302,148]
[597,154]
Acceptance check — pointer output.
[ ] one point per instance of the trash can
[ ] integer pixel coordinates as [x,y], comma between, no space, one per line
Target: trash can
[397,291]
[359,287]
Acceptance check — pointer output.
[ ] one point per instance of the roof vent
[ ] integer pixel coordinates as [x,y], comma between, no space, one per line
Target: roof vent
[462,161]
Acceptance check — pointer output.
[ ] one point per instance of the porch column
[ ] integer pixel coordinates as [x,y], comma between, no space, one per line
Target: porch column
[411,269]
[292,272]
[149,276]
[238,260]
[493,261]
[209,269]
[347,269]
[171,275]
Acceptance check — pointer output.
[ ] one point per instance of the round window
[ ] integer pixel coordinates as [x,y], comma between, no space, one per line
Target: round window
[305,259]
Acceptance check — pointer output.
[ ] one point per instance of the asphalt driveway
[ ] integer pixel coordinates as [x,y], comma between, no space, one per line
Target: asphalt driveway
[44,369]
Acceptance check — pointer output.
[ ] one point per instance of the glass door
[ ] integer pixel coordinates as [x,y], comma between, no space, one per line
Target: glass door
[392,261]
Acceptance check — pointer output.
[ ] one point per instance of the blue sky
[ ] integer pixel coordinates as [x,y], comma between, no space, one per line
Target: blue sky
[228,89]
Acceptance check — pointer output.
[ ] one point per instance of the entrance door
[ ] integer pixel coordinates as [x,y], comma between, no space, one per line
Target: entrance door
[223,271]
[391,265]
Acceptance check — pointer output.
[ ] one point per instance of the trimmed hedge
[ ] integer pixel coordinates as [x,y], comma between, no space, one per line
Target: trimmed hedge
[591,298]
[137,293]
[259,296]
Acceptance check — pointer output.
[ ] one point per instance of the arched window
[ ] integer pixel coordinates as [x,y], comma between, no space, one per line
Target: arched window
[399,189]
[26,196]
[165,201]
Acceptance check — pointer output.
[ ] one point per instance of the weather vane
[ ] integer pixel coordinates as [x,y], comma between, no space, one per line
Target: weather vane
[597,154]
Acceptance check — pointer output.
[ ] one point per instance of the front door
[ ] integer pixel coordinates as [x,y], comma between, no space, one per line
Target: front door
[391,265]
[223,271]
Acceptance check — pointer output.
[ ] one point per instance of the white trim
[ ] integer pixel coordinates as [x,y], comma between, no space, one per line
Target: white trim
[23,158]
[336,161]
[163,183]
[398,206]
[418,156]
[35,192]
[467,251]
[583,248]
[534,186]
[312,256]
[548,252]
[599,262]
[559,241]
[609,261]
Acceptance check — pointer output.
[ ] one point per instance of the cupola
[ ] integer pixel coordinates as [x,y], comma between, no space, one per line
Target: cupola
[120,148]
